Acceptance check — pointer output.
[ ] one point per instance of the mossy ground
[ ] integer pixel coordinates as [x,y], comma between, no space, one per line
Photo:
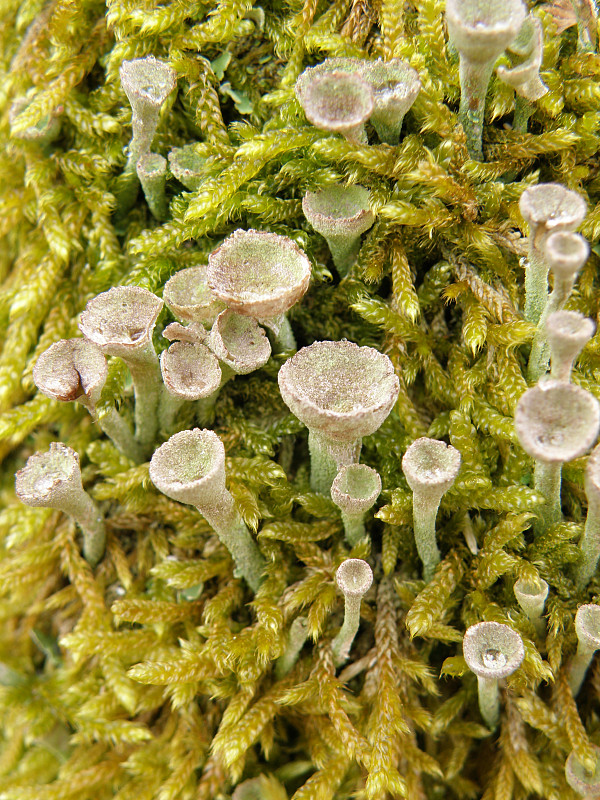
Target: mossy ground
[150,678]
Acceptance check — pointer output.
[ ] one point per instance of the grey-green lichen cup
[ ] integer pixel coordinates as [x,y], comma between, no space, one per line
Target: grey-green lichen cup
[341,392]
[190,468]
[340,214]
[354,577]
[260,275]
[340,102]
[555,422]
[53,480]
[492,651]
[430,468]
[188,295]
[587,627]
[584,781]
[354,490]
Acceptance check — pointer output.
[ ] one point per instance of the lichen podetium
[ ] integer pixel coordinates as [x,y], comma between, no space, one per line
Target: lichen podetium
[201,651]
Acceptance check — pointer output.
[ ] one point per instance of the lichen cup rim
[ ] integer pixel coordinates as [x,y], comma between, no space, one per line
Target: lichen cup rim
[103,324]
[363,418]
[194,360]
[579,778]
[256,301]
[570,325]
[137,71]
[179,290]
[492,636]
[566,252]
[480,40]
[552,205]
[334,224]
[70,368]
[190,467]
[252,347]
[346,496]
[49,476]
[539,408]
[354,577]
[318,110]
[443,464]
[587,625]
[528,588]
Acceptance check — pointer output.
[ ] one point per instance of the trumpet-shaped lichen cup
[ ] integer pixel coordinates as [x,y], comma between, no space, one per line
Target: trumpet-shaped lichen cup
[492,651]
[531,596]
[430,468]
[354,578]
[186,165]
[260,275]
[555,423]
[190,298]
[547,208]
[190,371]
[480,30]
[340,214]
[75,369]
[587,627]
[341,392]
[190,468]
[581,778]
[338,101]
[354,490]
[567,333]
[53,480]
[121,322]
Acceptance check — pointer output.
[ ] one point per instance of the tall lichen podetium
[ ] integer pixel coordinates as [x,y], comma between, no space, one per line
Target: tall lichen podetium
[53,480]
[121,322]
[589,543]
[555,422]
[341,392]
[147,82]
[430,468]
[190,468]
[354,578]
[547,208]
[480,30]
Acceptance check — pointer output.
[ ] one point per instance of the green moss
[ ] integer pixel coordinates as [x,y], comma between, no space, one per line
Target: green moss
[152,677]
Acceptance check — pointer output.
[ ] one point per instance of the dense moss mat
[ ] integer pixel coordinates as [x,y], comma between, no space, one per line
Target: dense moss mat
[151,677]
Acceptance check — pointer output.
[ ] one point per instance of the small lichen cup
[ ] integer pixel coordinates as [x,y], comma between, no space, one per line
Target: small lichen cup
[354,578]
[354,490]
[524,76]
[190,468]
[53,480]
[430,468]
[121,322]
[590,541]
[395,86]
[492,651]
[555,422]
[341,392]
[190,371]
[547,208]
[480,30]
[587,627]
[567,333]
[531,596]
[582,780]
[340,214]
[189,297]
[260,275]
[75,369]
[147,82]
[186,165]
[339,102]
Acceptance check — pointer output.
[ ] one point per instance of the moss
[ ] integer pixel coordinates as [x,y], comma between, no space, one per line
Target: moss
[152,676]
